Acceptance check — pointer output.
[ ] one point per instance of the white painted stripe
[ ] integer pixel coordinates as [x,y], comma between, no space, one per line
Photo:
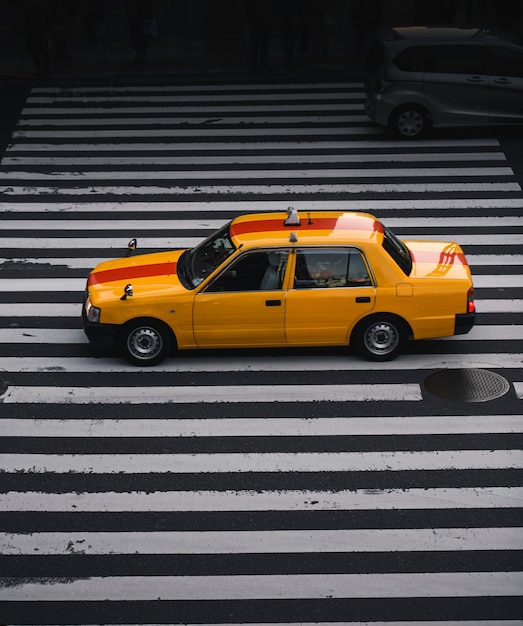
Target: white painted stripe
[123,159]
[263,426]
[288,190]
[197,131]
[242,206]
[239,463]
[83,102]
[253,587]
[234,175]
[519,390]
[262,542]
[282,500]
[260,146]
[86,243]
[169,242]
[57,285]
[409,392]
[212,117]
[75,336]
[278,363]
[87,263]
[69,91]
[83,91]
[110,223]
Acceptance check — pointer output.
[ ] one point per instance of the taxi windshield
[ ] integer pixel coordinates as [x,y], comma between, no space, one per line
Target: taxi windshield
[208,255]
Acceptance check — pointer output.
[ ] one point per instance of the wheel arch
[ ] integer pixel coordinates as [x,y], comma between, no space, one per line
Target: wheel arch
[357,334]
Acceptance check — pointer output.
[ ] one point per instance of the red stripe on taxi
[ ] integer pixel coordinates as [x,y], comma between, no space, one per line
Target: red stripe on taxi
[128,273]
[446,256]
[345,222]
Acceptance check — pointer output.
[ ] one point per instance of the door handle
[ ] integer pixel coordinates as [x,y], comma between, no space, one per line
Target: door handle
[272,302]
[361,299]
[476,79]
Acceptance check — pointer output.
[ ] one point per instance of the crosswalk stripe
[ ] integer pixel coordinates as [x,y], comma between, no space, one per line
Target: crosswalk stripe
[274,541]
[281,500]
[396,461]
[197,132]
[230,175]
[244,159]
[167,241]
[314,363]
[227,188]
[262,426]
[291,586]
[28,335]
[111,223]
[87,263]
[55,285]
[241,206]
[409,392]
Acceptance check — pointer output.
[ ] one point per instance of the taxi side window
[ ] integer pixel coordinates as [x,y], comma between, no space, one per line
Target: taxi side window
[253,271]
[330,268]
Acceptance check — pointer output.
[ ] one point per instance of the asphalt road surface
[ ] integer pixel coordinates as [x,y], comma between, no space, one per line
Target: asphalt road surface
[259,486]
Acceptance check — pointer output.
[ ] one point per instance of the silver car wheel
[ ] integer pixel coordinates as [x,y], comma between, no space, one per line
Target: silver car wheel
[381,338]
[144,343]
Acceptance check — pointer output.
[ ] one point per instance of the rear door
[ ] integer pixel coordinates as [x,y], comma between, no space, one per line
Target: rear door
[331,287]
[456,84]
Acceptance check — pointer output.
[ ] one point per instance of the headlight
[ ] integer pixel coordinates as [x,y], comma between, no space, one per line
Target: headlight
[92,313]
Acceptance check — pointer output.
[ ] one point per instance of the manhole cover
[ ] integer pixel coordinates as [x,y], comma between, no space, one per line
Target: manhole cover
[467,385]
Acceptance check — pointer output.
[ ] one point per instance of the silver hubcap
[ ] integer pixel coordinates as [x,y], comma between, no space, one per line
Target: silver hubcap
[410,123]
[381,338]
[144,343]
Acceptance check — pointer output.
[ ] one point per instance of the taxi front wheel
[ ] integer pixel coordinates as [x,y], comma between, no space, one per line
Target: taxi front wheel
[146,341]
[380,338]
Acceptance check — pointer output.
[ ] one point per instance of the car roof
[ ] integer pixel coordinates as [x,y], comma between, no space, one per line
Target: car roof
[306,228]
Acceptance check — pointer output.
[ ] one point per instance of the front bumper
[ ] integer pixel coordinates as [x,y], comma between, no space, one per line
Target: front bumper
[464,323]
[99,334]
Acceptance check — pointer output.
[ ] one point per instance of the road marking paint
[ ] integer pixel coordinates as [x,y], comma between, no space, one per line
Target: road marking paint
[394,461]
[262,426]
[408,392]
[281,500]
[262,542]
[250,587]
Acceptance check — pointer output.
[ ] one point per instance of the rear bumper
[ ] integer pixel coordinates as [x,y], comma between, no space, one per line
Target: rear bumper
[464,323]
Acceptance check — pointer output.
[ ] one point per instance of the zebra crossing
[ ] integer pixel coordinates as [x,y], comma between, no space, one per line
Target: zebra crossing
[249,487]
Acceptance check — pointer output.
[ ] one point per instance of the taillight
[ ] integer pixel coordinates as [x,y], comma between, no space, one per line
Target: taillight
[471,306]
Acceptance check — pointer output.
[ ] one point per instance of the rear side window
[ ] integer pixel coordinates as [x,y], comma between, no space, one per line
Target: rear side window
[411,59]
[454,59]
[332,268]
[505,62]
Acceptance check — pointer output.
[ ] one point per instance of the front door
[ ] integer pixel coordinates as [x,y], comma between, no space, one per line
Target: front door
[245,304]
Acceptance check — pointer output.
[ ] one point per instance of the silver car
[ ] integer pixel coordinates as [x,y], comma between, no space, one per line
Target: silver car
[420,78]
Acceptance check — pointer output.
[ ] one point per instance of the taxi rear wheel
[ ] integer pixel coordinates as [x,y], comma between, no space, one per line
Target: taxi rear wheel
[380,338]
[146,341]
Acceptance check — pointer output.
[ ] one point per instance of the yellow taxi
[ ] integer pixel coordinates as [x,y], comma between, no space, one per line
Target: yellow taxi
[280,280]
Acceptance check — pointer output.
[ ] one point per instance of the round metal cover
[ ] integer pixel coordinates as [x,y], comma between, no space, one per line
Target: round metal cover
[467,385]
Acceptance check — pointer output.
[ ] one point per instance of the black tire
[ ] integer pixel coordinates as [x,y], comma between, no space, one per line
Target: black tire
[410,122]
[146,341]
[380,337]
